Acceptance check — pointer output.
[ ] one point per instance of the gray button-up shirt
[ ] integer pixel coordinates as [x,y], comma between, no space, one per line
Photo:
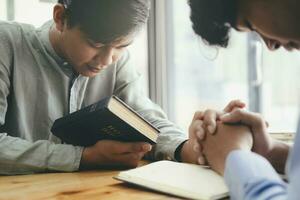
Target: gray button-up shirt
[37,87]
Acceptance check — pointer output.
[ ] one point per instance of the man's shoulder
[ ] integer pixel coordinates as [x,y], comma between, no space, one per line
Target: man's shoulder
[13,30]
[8,24]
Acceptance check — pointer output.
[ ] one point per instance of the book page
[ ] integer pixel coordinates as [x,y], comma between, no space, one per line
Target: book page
[181,179]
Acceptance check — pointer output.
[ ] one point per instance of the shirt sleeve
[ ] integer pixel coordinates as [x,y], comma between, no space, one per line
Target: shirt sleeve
[129,88]
[293,168]
[19,156]
[250,176]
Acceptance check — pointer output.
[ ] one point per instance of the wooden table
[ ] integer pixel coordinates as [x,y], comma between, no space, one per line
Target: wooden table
[82,185]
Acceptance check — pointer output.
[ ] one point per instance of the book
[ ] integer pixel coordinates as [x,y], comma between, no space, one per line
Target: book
[110,119]
[178,179]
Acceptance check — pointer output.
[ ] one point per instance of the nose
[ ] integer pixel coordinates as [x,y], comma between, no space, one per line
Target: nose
[104,57]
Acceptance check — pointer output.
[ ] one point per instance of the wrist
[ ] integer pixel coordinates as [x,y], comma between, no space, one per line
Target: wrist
[186,154]
[278,155]
[263,144]
[85,162]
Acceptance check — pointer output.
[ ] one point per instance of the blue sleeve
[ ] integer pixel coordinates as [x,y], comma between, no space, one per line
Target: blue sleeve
[250,176]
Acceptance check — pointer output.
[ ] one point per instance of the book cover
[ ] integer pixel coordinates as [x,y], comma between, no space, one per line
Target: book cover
[179,179]
[103,120]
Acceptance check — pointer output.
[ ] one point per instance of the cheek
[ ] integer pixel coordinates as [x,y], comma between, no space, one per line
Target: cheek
[81,54]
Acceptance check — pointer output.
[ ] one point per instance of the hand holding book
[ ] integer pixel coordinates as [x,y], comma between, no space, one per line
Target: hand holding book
[108,119]
[112,133]
[109,153]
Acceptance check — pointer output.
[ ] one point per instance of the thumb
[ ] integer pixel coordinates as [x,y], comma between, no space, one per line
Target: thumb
[233,105]
[229,118]
[240,116]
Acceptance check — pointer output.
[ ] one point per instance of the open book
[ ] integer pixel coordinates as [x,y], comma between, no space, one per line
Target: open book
[179,179]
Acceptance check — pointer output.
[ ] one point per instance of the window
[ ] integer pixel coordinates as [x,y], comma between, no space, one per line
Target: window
[139,54]
[198,79]
[203,77]
[33,12]
[3,13]
[280,88]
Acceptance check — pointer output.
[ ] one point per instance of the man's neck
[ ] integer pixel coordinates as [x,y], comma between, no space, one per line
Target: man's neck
[55,40]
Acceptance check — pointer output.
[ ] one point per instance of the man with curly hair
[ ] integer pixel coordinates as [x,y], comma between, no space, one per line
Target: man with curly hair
[249,175]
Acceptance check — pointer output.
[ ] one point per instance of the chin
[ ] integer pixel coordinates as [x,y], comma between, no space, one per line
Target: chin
[89,74]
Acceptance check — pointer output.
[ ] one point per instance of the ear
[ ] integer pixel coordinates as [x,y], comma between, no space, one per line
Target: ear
[59,17]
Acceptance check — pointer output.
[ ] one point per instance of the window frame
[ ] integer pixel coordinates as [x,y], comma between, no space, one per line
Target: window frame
[10,7]
[157,33]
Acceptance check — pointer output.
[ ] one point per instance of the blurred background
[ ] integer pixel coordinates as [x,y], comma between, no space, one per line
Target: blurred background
[183,75]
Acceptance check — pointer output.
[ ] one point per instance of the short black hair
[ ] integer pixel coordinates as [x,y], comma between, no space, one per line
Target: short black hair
[213,19]
[106,20]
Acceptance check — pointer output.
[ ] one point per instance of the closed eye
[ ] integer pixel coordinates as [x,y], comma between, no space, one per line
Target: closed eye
[124,46]
[100,45]
[95,45]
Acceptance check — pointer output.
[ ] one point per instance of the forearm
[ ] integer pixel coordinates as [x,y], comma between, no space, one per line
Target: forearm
[278,155]
[19,156]
[129,89]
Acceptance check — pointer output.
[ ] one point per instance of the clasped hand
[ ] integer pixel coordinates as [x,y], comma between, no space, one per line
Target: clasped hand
[215,134]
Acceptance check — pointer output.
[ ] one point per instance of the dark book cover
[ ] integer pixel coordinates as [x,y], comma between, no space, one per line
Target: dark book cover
[96,122]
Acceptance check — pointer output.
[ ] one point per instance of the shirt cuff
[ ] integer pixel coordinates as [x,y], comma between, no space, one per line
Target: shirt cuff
[177,154]
[65,158]
[166,147]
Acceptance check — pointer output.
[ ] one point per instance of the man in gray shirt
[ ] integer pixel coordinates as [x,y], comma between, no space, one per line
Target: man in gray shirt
[69,63]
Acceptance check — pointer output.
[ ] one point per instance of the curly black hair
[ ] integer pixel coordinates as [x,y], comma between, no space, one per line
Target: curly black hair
[213,19]
[106,20]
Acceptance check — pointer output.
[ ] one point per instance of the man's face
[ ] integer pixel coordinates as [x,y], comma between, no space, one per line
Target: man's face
[87,57]
[276,21]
